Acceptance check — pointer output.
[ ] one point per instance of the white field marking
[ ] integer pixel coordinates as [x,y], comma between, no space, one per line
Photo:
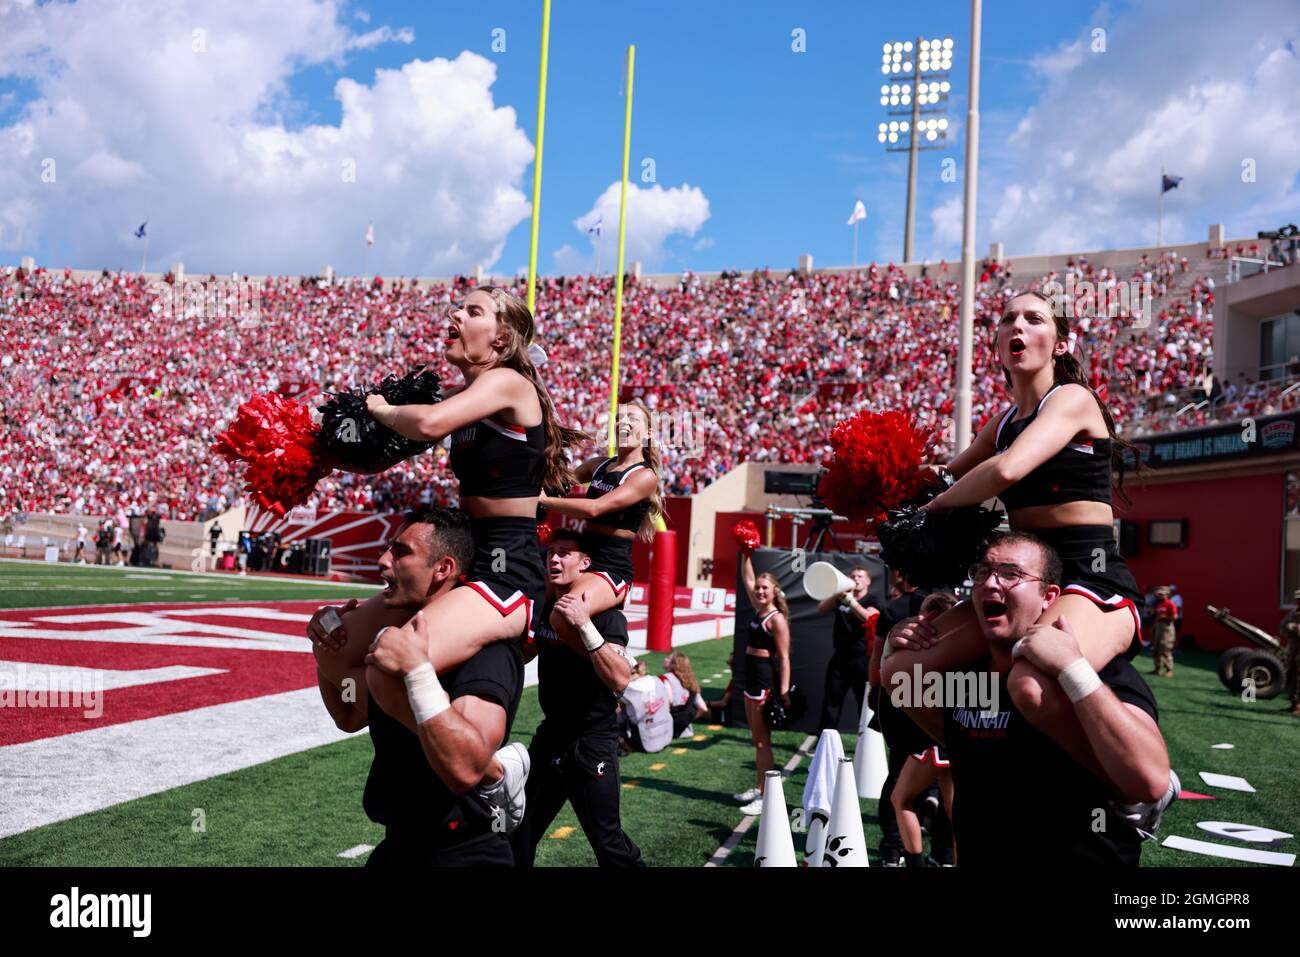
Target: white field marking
[1225,747]
[1244,832]
[1229,782]
[729,845]
[154,629]
[30,675]
[53,779]
[264,614]
[353,852]
[1232,853]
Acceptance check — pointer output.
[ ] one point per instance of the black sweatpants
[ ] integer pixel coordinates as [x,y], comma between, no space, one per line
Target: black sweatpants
[400,852]
[844,673]
[582,770]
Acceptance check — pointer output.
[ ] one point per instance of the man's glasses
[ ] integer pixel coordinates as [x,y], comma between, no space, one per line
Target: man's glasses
[1009,575]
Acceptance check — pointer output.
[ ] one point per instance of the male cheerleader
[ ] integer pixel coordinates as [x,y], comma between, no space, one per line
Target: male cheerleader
[426,786]
[574,755]
[1003,764]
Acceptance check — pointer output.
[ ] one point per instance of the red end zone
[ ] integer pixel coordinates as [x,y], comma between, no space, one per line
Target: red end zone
[253,655]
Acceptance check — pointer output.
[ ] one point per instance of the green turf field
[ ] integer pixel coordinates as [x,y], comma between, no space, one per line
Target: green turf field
[306,808]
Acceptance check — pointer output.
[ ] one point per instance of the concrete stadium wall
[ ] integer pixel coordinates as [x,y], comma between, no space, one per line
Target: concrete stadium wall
[740,490]
[176,551]
[1239,312]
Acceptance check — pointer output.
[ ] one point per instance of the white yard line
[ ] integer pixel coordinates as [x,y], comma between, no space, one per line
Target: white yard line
[353,852]
[53,779]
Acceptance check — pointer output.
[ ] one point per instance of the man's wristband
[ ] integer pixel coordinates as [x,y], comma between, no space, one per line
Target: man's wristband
[591,638]
[1078,680]
[426,694]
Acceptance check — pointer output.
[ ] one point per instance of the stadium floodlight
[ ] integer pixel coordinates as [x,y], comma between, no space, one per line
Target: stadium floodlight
[917,84]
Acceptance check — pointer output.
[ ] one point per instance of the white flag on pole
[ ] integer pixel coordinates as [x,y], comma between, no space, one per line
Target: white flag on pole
[370,235]
[859,213]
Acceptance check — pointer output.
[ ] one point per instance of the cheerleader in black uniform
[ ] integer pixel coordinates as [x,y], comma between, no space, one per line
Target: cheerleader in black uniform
[506,444]
[767,670]
[1048,458]
[623,503]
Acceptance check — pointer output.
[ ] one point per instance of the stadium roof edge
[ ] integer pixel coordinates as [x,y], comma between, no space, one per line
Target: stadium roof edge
[1037,263]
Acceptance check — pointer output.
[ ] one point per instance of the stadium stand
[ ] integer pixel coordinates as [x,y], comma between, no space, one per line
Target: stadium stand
[112,398]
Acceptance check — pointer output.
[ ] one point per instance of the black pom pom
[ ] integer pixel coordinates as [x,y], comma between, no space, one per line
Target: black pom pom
[356,442]
[934,549]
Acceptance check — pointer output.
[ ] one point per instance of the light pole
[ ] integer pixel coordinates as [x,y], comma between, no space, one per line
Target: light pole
[966,327]
[920,92]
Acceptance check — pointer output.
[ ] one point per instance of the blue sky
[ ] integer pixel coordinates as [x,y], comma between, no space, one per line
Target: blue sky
[231,151]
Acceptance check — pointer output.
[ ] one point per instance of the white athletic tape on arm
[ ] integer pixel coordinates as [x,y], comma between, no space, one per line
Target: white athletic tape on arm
[427,697]
[1078,679]
[591,637]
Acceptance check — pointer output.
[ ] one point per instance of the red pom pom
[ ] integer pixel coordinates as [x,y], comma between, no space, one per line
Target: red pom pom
[277,438]
[746,535]
[544,533]
[875,464]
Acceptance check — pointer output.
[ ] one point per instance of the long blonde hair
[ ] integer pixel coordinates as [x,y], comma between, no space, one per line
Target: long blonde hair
[514,316]
[778,596]
[650,452]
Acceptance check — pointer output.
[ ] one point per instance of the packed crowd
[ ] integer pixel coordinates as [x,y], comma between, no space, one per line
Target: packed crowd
[114,388]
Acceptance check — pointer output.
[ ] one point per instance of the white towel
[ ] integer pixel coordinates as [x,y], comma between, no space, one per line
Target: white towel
[820,788]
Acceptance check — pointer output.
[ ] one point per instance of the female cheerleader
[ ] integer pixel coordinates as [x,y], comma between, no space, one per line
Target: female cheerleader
[623,503]
[507,443]
[767,669]
[1049,459]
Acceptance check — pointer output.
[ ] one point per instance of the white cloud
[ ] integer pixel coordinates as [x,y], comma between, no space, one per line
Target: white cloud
[385,34]
[141,124]
[947,221]
[653,215]
[1081,169]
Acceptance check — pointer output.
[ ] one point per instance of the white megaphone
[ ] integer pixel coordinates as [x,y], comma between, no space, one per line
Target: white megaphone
[823,580]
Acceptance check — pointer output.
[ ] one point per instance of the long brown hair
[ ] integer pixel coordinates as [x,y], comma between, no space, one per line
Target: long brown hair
[650,451]
[778,596]
[513,315]
[681,667]
[1068,369]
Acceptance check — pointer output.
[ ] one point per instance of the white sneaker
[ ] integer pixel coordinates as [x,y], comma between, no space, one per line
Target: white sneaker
[744,797]
[507,795]
[753,809]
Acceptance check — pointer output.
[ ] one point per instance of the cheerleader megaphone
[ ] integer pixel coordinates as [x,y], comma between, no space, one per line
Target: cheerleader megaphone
[822,580]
